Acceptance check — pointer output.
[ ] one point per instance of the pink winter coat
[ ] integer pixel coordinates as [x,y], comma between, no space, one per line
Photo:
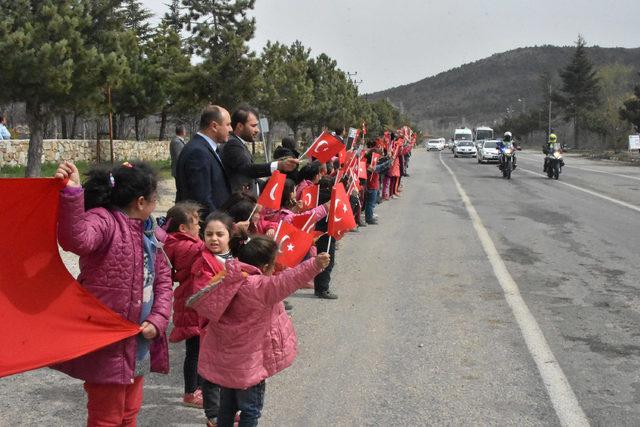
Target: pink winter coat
[183,249]
[287,215]
[109,244]
[249,336]
[300,187]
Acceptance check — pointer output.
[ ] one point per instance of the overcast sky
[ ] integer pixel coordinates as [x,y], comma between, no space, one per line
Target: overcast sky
[391,43]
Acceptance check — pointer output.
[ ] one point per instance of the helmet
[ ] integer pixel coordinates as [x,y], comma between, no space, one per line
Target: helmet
[507,136]
[553,138]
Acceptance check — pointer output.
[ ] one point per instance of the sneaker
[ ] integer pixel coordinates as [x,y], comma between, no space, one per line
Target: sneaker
[212,422]
[372,222]
[193,400]
[326,295]
[287,305]
[362,224]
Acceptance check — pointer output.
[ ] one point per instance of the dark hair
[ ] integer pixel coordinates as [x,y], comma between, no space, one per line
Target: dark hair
[223,218]
[241,115]
[324,193]
[181,213]
[338,130]
[118,187]
[257,251]
[212,113]
[309,171]
[180,129]
[288,142]
[289,187]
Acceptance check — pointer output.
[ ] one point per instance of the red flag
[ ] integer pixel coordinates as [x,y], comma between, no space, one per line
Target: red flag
[46,316]
[293,244]
[309,197]
[342,156]
[305,222]
[325,147]
[271,195]
[362,170]
[364,128]
[374,160]
[341,217]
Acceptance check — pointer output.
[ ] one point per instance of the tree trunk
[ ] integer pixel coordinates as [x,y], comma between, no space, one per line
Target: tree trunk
[63,126]
[163,124]
[74,126]
[34,154]
[136,122]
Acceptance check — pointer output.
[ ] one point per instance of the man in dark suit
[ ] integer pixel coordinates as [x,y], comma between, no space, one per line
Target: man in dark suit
[237,158]
[200,175]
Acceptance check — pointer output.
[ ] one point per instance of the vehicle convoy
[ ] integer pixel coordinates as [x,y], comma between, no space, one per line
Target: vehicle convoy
[507,160]
[488,151]
[461,134]
[465,148]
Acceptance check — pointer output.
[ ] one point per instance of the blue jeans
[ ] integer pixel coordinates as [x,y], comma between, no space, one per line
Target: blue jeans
[369,204]
[248,401]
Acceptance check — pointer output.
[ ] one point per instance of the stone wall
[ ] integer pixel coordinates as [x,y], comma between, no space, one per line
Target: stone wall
[14,152]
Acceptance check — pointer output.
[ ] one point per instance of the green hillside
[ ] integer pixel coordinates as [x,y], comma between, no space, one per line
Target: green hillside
[480,92]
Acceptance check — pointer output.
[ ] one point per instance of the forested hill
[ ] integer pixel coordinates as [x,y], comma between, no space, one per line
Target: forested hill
[480,92]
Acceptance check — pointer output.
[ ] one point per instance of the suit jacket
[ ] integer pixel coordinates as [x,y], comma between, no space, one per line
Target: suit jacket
[238,163]
[175,147]
[200,176]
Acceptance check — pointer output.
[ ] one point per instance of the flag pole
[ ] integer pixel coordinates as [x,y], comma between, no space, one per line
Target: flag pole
[252,212]
[304,227]
[275,236]
[329,244]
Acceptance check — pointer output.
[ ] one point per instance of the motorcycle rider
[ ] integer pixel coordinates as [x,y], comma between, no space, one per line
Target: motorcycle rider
[551,146]
[507,140]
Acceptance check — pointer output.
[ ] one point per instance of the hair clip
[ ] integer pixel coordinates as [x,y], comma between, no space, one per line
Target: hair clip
[112,181]
[127,165]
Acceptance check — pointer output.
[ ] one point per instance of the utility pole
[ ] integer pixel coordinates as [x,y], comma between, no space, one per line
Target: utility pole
[549,127]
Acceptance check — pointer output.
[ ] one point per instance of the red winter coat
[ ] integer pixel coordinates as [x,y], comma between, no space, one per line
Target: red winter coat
[183,250]
[109,244]
[249,336]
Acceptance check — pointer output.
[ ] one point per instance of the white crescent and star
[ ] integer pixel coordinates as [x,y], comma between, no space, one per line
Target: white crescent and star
[320,144]
[272,194]
[307,199]
[285,237]
[335,213]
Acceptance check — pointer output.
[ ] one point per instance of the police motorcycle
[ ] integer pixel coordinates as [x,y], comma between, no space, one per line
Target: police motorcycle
[553,161]
[507,152]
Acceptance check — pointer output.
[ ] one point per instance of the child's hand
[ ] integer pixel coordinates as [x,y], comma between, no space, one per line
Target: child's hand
[70,171]
[322,260]
[148,330]
[243,225]
[271,233]
[327,205]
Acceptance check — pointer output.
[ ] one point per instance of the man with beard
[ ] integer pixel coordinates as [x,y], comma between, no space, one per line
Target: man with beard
[237,159]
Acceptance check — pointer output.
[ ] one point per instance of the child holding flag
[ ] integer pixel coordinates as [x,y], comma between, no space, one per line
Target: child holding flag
[249,336]
[107,223]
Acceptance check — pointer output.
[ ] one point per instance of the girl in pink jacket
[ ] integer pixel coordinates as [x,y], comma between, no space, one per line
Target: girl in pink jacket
[249,336]
[183,247]
[107,223]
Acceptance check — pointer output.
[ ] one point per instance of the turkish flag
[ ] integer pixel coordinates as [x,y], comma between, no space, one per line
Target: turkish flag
[293,244]
[46,317]
[342,156]
[325,147]
[271,195]
[362,169]
[309,197]
[374,160]
[341,217]
[305,222]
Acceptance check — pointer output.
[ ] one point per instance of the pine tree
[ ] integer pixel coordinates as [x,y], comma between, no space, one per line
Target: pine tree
[51,62]
[220,30]
[630,112]
[580,92]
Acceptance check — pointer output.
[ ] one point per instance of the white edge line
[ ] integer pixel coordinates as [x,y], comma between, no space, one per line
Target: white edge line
[593,193]
[560,392]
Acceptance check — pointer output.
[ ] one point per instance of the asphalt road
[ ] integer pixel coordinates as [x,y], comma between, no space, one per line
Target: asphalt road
[423,333]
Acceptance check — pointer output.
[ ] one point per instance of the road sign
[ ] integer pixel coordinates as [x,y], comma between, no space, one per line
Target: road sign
[634,142]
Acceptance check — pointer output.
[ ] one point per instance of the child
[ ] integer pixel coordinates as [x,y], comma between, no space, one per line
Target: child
[240,206]
[249,336]
[309,175]
[183,246]
[121,263]
[322,280]
[218,229]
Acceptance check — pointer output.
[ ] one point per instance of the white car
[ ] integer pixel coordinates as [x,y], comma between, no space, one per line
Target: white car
[465,148]
[435,144]
[488,151]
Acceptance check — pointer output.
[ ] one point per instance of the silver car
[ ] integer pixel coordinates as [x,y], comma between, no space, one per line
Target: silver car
[488,152]
[465,148]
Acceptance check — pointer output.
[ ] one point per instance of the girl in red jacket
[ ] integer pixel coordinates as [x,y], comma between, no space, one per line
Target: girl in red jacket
[249,336]
[218,229]
[183,246]
[107,223]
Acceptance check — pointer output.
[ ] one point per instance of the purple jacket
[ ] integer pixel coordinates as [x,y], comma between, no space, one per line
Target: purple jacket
[109,244]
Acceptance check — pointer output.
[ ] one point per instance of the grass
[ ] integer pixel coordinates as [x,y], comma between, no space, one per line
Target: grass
[163,167]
